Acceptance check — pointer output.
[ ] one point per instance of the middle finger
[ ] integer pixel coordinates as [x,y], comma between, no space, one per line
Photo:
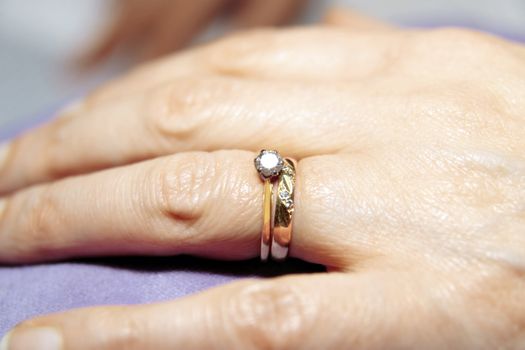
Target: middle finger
[192,114]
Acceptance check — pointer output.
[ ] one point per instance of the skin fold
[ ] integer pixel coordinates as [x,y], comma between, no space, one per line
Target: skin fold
[410,189]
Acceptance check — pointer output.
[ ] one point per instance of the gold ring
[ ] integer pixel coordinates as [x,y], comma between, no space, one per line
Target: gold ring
[266,234]
[269,165]
[283,213]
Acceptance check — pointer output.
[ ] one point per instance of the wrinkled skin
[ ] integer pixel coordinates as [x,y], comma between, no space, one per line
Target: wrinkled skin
[411,189]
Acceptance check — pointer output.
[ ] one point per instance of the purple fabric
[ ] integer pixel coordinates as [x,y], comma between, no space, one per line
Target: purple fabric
[27,291]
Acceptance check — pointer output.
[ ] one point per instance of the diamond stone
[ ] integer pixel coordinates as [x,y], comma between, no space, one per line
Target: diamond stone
[269,163]
[269,160]
[284,194]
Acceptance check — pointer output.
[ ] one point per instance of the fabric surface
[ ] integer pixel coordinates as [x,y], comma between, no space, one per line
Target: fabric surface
[27,291]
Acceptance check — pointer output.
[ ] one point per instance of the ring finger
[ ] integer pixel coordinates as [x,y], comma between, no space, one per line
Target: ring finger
[205,204]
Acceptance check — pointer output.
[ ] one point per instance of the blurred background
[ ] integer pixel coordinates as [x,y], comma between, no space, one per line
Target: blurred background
[53,51]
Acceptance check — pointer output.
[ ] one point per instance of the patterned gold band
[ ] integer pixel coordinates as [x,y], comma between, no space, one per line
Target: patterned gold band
[284,208]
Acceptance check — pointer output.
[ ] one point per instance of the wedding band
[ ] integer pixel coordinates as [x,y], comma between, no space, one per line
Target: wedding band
[283,213]
[268,164]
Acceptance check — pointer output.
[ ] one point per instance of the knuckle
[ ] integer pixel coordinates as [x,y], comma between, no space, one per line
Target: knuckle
[185,184]
[41,222]
[263,310]
[176,111]
[192,187]
[257,52]
[43,216]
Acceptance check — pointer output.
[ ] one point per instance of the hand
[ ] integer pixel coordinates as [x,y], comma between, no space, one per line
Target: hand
[411,190]
[153,28]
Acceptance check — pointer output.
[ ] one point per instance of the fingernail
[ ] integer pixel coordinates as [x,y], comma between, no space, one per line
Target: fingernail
[4,153]
[42,338]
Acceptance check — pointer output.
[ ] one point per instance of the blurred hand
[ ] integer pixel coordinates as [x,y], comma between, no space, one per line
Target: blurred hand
[153,28]
[411,190]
